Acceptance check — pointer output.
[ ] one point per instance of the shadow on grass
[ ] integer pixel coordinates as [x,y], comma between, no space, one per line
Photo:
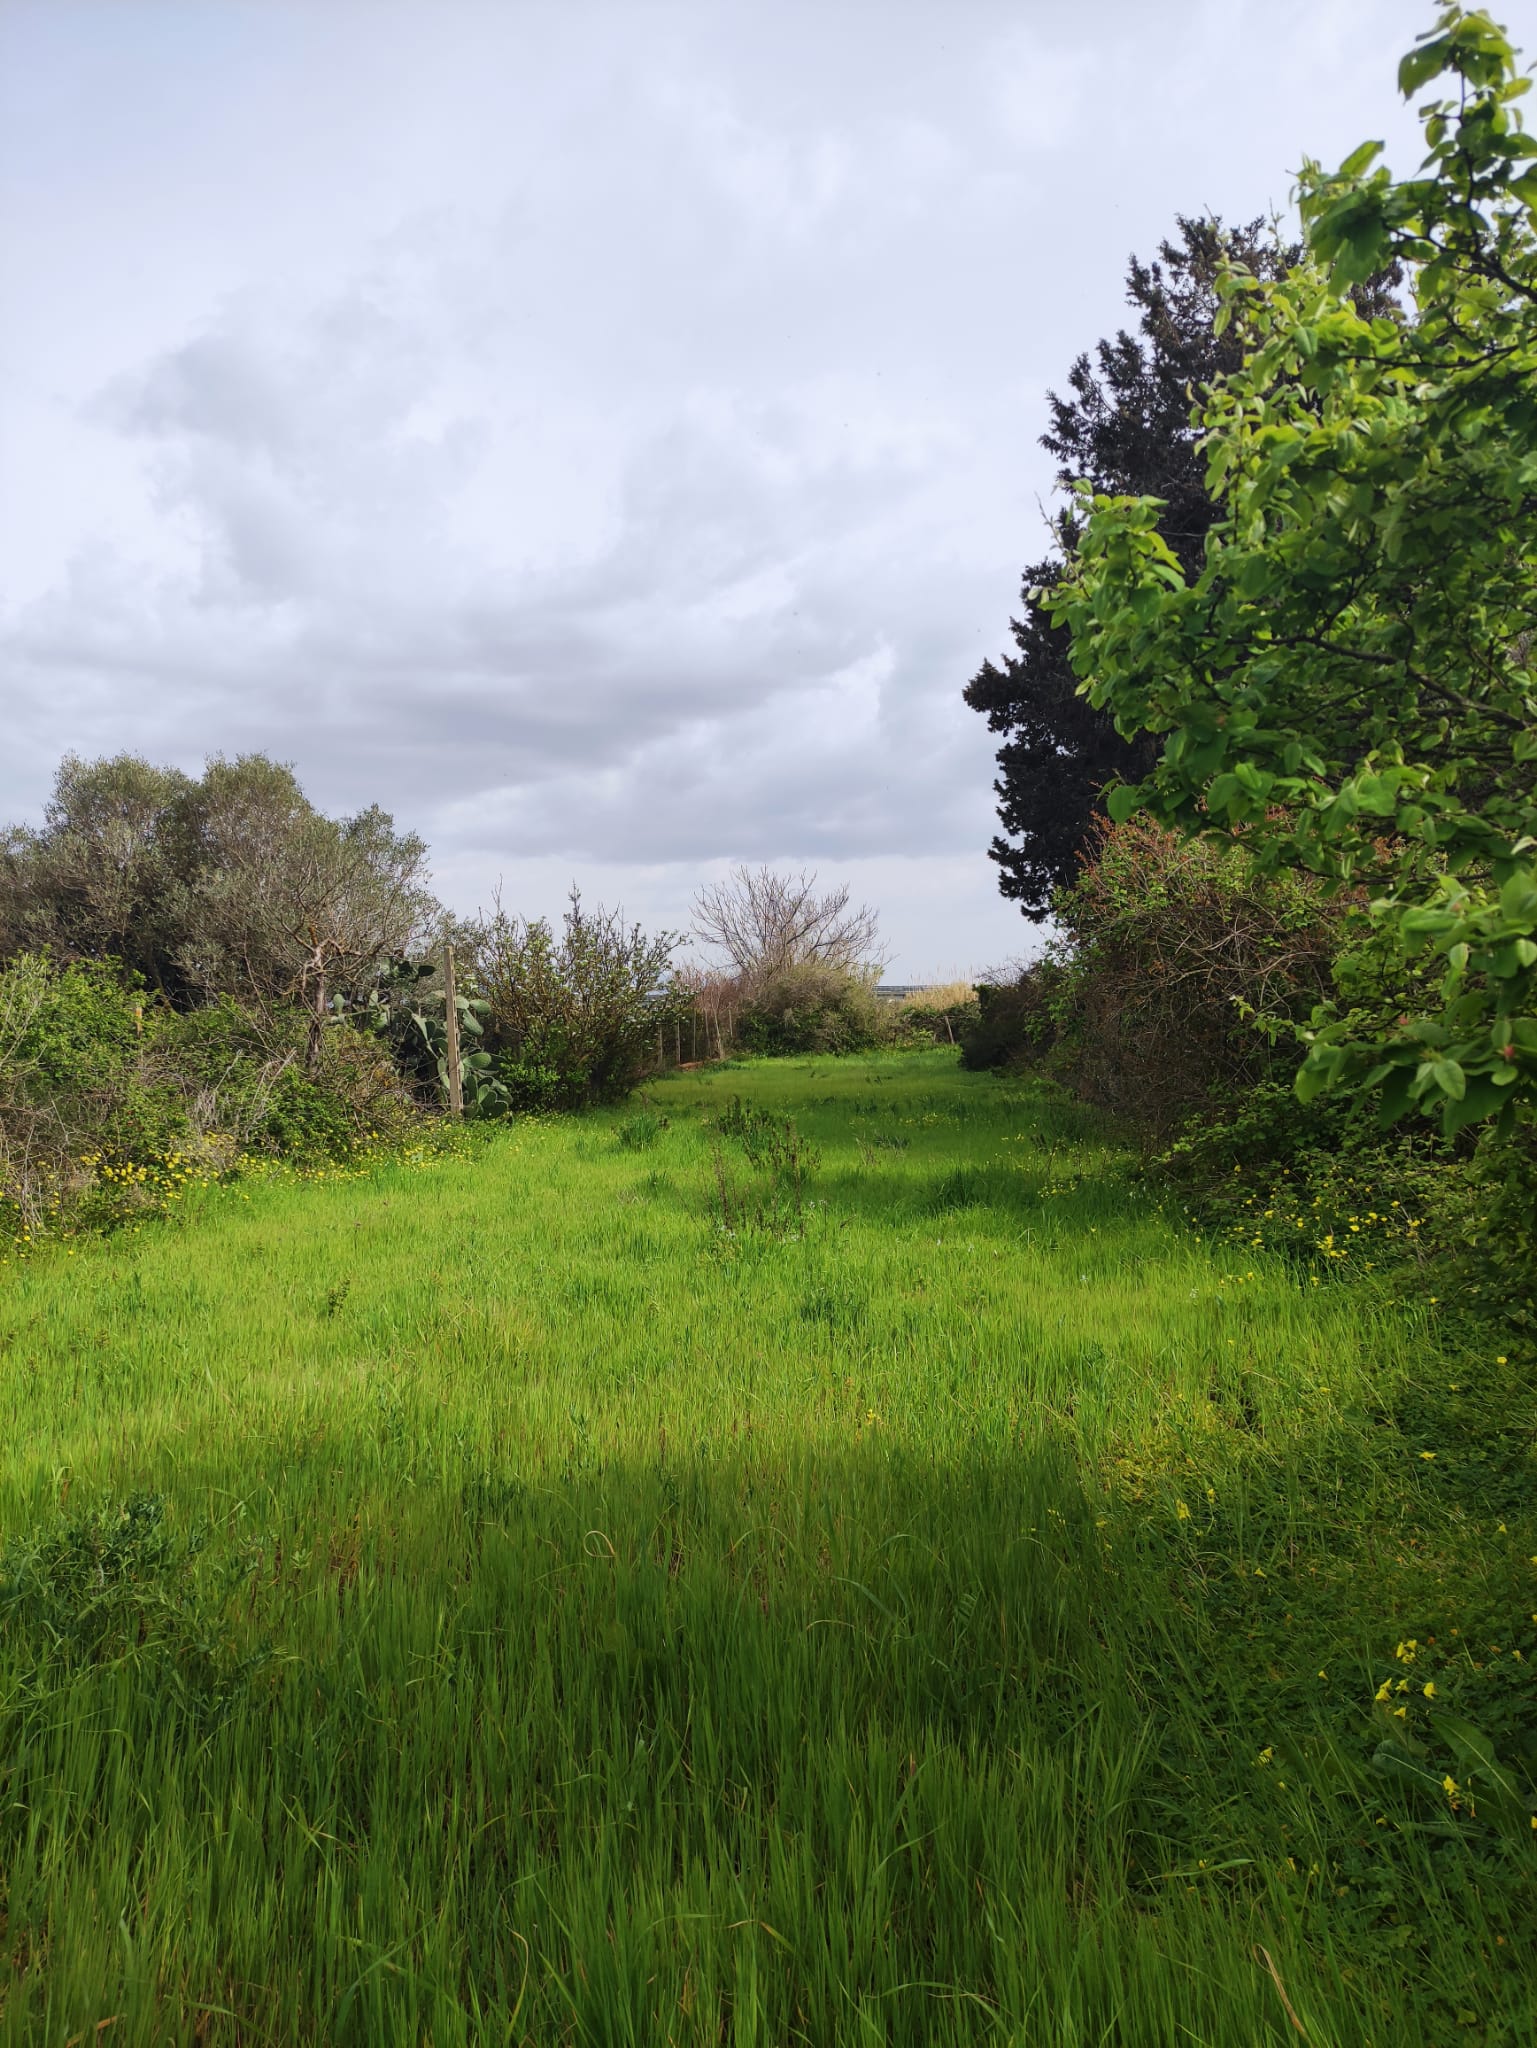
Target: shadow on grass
[746,1745]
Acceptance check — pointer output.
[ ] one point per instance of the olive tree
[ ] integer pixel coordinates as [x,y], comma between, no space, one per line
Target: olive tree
[290,906]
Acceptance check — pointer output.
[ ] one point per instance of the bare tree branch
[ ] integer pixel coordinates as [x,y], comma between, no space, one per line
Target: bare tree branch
[765,921]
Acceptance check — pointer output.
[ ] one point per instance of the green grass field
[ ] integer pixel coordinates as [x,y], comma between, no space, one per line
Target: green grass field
[580,1591]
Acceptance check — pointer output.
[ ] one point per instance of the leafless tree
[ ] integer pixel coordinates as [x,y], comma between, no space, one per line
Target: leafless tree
[766,921]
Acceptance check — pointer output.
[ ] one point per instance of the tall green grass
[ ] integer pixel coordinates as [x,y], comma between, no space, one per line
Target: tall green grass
[584,1591]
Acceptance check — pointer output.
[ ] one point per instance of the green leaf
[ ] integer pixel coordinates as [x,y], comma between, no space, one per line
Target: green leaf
[1392,1763]
[1396,1099]
[1474,1748]
[1319,1071]
[1428,61]
[1359,159]
[1449,1078]
[1483,1097]
[1122,801]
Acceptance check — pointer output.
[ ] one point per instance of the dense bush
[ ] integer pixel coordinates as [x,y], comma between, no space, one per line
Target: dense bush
[573,1018]
[1177,971]
[813,1008]
[1016,1019]
[1345,677]
[71,1081]
[941,1014]
[108,1100]
[1175,994]
[1322,1183]
[248,1083]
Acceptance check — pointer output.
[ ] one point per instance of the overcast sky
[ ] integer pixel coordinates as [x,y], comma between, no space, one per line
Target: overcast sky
[604,434]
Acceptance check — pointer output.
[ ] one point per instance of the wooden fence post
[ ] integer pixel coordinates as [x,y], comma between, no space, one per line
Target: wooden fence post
[451,1026]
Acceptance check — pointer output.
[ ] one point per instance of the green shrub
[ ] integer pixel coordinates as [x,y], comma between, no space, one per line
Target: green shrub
[82,1026]
[116,1585]
[775,1202]
[531,1089]
[73,1090]
[1180,972]
[639,1132]
[306,1122]
[1017,1022]
[814,1009]
[573,1018]
[1175,996]
[1503,1236]
[1322,1183]
[250,1085]
[110,1107]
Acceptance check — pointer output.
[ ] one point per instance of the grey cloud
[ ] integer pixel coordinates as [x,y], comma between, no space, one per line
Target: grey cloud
[744,531]
[603,435]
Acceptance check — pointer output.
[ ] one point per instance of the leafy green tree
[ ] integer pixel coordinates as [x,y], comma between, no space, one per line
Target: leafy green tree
[233,884]
[1345,680]
[287,905]
[99,877]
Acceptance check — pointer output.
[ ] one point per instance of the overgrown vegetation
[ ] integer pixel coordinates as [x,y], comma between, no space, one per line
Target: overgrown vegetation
[200,973]
[844,1548]
[1347,682]
[495,1601]
[1174,995]
[1340,685]
[800,966]
[575,1018]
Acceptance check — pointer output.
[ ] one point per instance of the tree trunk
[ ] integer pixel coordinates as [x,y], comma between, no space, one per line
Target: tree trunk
[317,1024]
[451,1026]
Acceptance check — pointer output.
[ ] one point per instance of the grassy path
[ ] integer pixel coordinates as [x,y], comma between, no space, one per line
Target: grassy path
[948,1614]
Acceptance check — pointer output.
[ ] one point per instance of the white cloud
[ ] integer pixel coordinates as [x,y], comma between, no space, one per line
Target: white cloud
[604,435]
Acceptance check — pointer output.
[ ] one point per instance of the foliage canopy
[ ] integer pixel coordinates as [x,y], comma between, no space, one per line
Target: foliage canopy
[1346,680]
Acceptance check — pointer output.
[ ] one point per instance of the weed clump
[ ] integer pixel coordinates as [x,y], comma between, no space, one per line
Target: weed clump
[776,1201]
[639,1132]
[117,1585]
